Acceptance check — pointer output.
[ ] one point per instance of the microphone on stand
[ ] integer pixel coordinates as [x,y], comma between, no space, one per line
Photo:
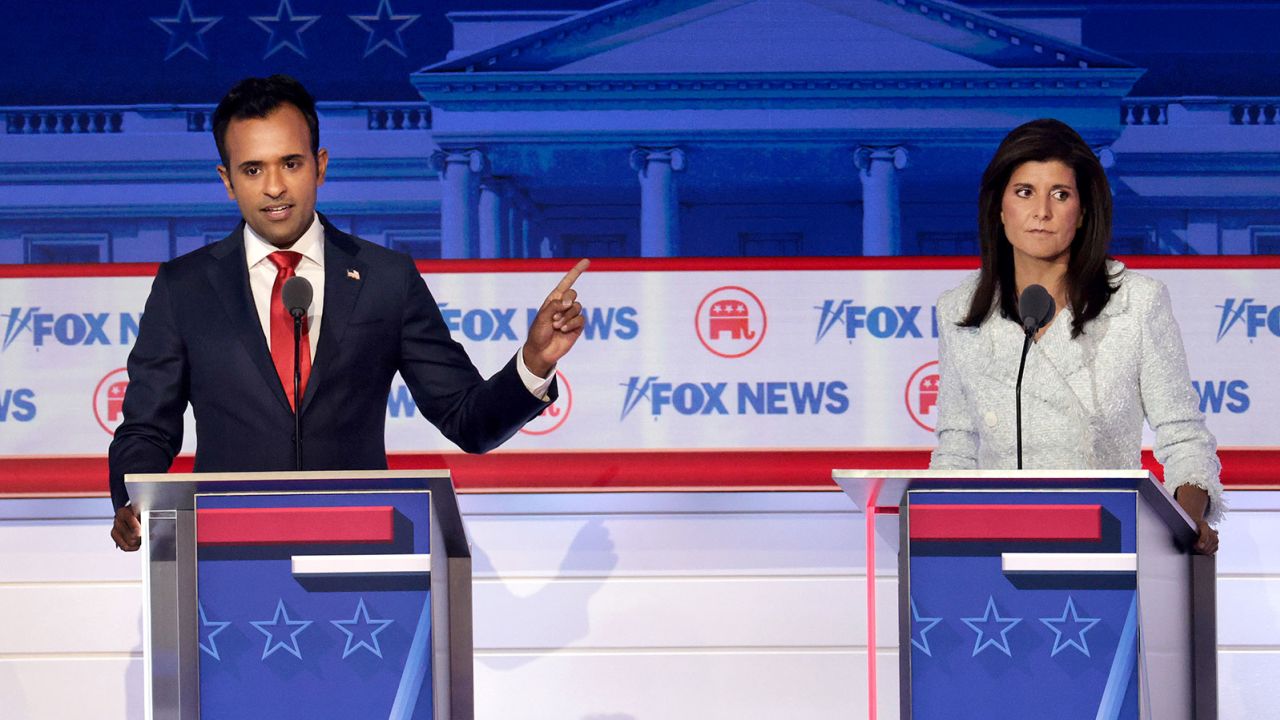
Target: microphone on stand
[296,295]
[1036,307]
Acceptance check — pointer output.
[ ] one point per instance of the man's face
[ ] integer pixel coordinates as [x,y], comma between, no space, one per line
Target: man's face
[272,175]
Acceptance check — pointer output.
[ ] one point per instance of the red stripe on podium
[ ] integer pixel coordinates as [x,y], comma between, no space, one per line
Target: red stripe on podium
[1006,522]
[295,526]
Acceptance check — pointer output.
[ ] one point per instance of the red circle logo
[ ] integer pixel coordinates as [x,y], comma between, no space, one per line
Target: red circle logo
[553,415]
[108,399]
[921,395]
[731,321]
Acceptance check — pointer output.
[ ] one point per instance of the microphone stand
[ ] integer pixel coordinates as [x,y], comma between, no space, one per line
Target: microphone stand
[1022,364]
[297,386]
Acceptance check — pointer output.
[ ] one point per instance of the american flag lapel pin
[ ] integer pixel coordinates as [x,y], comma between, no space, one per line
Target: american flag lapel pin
[353,274]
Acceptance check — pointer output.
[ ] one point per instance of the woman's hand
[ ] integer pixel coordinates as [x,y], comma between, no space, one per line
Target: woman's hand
[1207,543]
[1196,501]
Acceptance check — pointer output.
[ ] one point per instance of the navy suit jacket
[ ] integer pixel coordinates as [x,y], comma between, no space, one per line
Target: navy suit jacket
[200,342]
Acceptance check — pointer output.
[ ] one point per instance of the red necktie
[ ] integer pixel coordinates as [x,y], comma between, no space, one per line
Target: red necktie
[282,328]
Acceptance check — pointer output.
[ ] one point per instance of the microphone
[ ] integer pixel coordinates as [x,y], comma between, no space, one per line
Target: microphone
[296,296]
[1036,307]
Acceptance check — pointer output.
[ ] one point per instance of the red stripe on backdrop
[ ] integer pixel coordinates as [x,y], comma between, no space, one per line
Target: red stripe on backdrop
[1140,262]
[600,470]
[1059,523]
[295,526]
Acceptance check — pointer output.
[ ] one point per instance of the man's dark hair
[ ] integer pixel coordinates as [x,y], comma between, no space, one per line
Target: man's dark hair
[259,97]
[1088,283]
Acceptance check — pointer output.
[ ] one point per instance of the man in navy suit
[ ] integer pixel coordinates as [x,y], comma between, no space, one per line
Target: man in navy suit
[216,334]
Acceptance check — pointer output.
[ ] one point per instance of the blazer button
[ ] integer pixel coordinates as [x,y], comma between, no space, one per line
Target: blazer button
[991,418]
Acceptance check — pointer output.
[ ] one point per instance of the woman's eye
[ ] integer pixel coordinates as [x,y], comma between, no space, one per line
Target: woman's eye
[1023,192]
[1062,196]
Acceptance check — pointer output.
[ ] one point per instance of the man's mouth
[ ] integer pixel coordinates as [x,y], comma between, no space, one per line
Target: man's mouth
[277,211]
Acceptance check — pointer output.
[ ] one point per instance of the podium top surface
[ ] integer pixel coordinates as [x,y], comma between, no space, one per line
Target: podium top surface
[884,489]
[992,474]
[177,491]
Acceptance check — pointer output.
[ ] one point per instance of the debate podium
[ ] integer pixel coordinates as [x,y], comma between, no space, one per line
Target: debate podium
[1045,594]
[305,594]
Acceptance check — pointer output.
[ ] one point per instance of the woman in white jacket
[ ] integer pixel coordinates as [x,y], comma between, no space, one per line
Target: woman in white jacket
[1110,358]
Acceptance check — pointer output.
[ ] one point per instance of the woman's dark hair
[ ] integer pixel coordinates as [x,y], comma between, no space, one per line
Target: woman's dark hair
[1088,284]
[259,97]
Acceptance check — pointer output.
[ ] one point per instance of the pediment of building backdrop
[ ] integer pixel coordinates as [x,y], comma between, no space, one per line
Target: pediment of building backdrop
[775,36]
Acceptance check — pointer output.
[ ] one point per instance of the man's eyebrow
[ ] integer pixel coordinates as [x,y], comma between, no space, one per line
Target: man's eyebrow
[248,164]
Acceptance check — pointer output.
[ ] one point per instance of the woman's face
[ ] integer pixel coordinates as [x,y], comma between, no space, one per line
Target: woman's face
[1041,211]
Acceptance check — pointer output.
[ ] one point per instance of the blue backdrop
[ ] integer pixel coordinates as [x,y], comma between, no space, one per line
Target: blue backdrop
[681,127]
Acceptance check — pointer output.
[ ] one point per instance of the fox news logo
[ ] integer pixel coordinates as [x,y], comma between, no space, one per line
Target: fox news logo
[721,398]
[68,328]
[883,322]
[1217,396]
[1253,317]
[494,324]
[17,405]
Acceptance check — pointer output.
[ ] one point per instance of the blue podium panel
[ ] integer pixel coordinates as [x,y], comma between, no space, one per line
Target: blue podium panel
[1023,604]
[314,605]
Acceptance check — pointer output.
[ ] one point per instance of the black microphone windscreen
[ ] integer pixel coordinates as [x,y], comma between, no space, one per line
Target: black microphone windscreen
[296,295]
[1036,307]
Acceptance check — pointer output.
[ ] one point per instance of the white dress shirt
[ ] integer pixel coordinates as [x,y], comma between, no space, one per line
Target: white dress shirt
[262,277]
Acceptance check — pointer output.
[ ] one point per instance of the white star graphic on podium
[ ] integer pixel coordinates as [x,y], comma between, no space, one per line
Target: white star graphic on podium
[1074,638]
[361,625]
[207,643]
[921,626]
[280,627]
[989,626]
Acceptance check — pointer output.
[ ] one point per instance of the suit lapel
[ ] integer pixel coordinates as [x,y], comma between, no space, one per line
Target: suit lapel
[1065,360]
[1052,383]
[341,289]
[229,276]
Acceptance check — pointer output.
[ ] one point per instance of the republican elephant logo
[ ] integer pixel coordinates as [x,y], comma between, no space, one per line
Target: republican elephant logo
[731,317]
[921,395]
[731,321]
[108,400]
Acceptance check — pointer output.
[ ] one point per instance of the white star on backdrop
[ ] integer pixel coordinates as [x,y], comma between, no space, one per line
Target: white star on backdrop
[384,28]
[285,29]
[186,31]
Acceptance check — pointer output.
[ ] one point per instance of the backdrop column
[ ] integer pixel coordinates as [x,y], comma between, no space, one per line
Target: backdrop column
[492,212]
[881,214]
[659,204]
[458,208]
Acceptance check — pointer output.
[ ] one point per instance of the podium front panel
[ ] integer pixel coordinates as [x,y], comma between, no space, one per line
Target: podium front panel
[314,604]
[1022,604]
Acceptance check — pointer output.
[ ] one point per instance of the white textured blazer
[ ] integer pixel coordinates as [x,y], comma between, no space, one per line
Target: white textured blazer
[1083,399]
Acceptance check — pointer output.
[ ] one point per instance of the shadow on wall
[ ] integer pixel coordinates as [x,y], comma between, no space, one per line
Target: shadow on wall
[558,609]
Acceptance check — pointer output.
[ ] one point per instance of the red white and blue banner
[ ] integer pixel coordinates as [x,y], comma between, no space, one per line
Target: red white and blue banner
[800,355]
